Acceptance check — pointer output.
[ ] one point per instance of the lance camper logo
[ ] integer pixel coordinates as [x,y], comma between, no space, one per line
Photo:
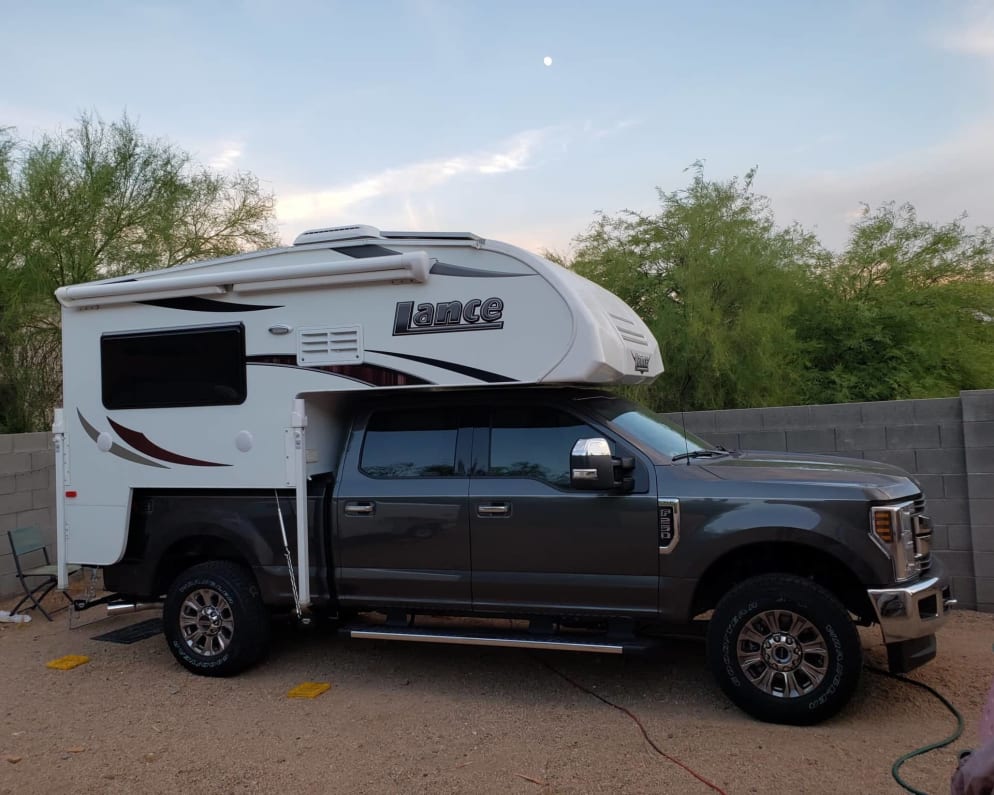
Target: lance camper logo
[475,315]
[641,362]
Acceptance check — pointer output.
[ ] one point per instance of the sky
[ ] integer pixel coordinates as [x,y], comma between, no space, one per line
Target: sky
[442,114]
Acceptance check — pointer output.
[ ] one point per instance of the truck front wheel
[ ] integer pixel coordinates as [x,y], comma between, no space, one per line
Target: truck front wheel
[214,619]
[784,649]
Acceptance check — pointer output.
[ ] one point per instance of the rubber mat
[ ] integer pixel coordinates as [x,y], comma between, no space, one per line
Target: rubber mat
[133,632]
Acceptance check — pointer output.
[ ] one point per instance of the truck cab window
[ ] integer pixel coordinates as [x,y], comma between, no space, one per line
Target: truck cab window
[410,444]
[531,442]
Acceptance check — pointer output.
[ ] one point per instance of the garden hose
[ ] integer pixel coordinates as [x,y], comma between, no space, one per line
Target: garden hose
[896,767]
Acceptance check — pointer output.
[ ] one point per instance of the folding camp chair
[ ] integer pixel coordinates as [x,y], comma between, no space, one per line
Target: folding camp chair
[24,541]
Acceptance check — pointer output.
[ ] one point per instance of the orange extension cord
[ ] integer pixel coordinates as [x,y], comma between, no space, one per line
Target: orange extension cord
[638,723]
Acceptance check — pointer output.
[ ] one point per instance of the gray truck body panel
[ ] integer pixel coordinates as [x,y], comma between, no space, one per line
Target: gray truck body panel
[469,543]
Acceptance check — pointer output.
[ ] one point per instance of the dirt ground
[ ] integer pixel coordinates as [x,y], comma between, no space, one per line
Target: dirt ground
[437,719]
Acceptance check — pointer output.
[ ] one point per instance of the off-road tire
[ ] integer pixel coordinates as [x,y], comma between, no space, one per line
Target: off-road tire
[230,606]
[749,662]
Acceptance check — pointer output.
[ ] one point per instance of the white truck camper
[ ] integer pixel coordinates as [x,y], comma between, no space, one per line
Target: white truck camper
[225,373]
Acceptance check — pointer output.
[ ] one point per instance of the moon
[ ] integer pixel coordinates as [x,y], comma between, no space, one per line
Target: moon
[547,60]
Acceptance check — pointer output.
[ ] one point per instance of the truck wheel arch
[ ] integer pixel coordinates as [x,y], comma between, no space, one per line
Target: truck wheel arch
[770,557]
[205,545]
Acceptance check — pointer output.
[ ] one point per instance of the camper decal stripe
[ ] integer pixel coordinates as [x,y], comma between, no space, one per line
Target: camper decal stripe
[142,443]
[472,372]
[364,252]
[116,449]
[447,269]
[366,374]
[194,304]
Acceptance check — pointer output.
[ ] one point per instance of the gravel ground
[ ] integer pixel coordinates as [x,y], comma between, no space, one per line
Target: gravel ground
[436,719]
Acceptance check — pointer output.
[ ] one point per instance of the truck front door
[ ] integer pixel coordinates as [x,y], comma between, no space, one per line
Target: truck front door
[538,544]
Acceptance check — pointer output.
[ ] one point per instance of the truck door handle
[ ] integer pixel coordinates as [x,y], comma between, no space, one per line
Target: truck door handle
[493,509]
[359,508]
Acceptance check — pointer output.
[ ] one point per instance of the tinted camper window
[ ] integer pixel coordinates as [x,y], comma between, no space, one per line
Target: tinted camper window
[174,367]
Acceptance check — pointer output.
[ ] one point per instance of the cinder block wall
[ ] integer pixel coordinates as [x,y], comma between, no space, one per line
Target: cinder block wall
[947,443]
[27,496]
[978,440]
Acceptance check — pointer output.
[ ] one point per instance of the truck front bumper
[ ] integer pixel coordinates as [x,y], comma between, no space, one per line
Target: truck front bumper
[915,610]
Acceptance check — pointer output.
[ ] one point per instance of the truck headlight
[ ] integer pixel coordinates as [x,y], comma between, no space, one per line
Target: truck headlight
[894,531]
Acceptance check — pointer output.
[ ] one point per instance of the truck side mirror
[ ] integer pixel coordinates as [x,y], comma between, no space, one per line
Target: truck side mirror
[593,468]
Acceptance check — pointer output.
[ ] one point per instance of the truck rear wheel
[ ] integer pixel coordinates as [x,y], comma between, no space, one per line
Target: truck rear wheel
[784,649]
[214,619]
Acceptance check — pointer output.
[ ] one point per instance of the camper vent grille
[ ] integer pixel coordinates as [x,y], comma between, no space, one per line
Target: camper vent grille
[330,345]
[357,231]
[628,330]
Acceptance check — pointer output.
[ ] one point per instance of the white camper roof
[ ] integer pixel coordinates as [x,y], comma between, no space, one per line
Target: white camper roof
[401,296]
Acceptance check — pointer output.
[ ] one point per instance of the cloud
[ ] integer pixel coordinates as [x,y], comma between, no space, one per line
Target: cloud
[514,154]
[975,35]
[942,182]
[819,142]
[420,215]
[423,194]
[29,122]
[613,129]
[225,155]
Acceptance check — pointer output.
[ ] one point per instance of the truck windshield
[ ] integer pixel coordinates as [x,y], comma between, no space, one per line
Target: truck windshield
[651,429]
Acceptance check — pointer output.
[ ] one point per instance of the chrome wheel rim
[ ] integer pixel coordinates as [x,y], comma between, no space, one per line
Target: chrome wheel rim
[206,622]
[782,653]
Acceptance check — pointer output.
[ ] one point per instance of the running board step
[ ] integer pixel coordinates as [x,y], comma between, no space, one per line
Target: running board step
[512,640]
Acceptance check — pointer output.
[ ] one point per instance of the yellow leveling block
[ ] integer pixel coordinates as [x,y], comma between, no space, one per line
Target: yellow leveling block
[67,662]
[309,690]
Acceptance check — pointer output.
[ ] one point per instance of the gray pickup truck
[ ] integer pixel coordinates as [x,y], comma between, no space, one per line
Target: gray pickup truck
[592,523]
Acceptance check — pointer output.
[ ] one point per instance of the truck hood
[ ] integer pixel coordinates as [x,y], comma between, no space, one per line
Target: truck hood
[880,481]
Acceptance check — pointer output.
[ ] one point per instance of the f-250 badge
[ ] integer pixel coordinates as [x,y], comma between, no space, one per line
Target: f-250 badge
[475,315]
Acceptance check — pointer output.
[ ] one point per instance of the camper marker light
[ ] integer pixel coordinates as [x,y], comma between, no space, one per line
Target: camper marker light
[70,494]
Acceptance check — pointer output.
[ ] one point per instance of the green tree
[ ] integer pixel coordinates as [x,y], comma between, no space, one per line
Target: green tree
[96,201]
[718,283]
[907,310]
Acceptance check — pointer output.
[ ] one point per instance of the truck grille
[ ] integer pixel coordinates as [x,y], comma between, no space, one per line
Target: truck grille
[922,525]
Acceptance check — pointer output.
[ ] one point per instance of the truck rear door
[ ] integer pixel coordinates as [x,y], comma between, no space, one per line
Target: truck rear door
[401,533]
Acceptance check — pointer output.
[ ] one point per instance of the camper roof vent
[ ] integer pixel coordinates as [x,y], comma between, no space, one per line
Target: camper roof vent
[357,231]
[432,236]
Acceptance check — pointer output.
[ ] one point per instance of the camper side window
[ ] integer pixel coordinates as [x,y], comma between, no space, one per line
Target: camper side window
[202,366]
[410,444]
